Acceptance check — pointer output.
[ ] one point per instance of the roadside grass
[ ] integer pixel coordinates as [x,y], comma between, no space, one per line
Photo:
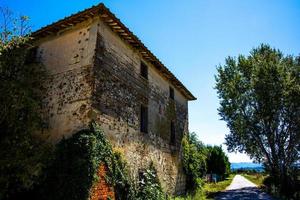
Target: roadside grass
[256,178]
[212,189]
[199,195]
[208,191]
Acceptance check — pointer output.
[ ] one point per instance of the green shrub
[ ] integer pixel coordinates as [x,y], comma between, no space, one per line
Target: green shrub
[74,168]
[194,161]
[148,186]
[73,171]
[23,154]
[288,189]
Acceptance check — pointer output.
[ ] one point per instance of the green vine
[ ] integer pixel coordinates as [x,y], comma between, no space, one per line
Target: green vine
[74,169]
[149,186]
[73,172]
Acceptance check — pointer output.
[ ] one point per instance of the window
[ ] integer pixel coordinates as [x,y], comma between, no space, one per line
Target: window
[171,93]
[144,119]
[144,70]
[172,139]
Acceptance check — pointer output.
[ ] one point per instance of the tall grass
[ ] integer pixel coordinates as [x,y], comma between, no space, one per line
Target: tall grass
[257,178]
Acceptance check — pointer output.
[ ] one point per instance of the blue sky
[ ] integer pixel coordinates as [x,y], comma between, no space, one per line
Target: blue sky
[191,38]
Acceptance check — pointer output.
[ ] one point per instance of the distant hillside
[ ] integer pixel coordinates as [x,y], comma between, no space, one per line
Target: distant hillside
[246,165]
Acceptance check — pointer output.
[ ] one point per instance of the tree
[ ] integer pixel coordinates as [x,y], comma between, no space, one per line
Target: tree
[194,160]
[260,102]
[22,152]
[217,161]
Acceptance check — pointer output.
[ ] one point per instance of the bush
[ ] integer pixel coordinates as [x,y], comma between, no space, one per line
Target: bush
[148,186]
[23,154]
[199,159]
[74,168]
[194,161]
[288,189]
[73,172]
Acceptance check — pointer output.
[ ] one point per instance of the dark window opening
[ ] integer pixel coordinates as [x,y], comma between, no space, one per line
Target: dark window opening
[171,93]
[172,139]
[144,70]
[144,119]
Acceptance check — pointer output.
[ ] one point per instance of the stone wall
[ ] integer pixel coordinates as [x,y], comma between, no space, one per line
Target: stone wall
[119,92]
[68,57]
[95,75]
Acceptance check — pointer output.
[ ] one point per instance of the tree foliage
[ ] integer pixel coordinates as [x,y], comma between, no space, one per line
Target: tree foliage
[14,30]
[22,153]
[200,160]
[260,101]
[217,161]
[194,160]
[73,172]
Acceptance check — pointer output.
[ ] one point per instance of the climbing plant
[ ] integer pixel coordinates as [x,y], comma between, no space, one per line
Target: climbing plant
[73,171]
[149,186]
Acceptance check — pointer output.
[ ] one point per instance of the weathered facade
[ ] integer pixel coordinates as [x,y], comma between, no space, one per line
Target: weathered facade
[98,70]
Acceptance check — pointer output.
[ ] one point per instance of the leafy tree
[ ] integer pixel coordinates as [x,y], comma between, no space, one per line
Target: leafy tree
[194,160]
[22,153]
[260,101]
[217,161]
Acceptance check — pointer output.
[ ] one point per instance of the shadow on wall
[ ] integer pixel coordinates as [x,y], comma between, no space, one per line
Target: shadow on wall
[180,184]
[247,193]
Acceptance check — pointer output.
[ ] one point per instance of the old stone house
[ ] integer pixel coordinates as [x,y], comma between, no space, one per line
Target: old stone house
[99,70]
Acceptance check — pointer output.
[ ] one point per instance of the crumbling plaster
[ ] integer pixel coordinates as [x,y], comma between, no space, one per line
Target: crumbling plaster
[94,75]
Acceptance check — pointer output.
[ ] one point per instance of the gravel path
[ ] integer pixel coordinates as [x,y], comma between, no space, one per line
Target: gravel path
[242,189]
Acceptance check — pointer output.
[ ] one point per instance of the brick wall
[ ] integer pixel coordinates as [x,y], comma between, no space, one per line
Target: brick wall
[102,190]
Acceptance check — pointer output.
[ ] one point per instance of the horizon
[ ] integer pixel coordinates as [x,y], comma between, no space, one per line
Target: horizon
[205,32]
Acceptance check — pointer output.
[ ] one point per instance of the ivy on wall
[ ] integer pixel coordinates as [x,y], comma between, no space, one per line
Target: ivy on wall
[73,172]
[149,186]
[74,168]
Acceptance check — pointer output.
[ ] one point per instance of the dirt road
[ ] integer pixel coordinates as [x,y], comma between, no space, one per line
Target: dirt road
[242,189]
